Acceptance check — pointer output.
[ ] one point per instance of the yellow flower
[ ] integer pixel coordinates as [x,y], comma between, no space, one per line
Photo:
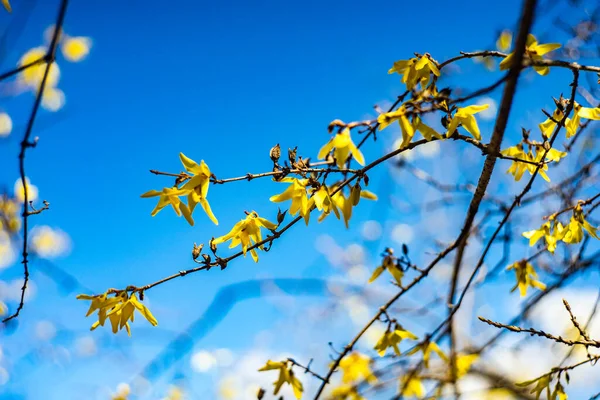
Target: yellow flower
[427,348]
[53,99]
[389,264]
[392,339]
[196,188]
[541,383]
[75,49]
[168,196]
[118,309]
[572,124]
[574,231]
[463,363]
[406,127]
[534,51]
[247,233]
[297,193]
[517,168]
[32,190]
[345,204]
[526,277]
[464,117]
[5,124]
[286,375]
[3,309]
[503,42]
[324,202]
[344,146]
[552,231]
[411,385]
[345,392]
[6,5]
[415,70]
[355,367]
[33,75]
[123,391]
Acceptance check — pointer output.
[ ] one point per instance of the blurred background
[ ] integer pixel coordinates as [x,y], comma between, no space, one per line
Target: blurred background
[223,82]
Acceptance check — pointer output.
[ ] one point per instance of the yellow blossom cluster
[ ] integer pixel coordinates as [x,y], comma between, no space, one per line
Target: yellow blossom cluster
[118,309]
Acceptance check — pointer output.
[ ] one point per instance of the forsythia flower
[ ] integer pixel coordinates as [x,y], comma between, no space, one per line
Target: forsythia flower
[6,5]
[463,363]
[551,231]
[118,309]
[286,375]
[324,202]
[356,366]
[408,129]
[32,190]
[168,196]
[6,124]
[517,168]
[542,383]
[412,386]
[392,338]
[573,233]
[389,264]
[427,348]
[344,146]
[75,49]
[464,117]
[534,51]
[123,391]
[572,124]
[503,42]
[247,233]
[415,70]
[297,193]
[345,204]
[345,392]
[526,277]
[198,188]
[3,309]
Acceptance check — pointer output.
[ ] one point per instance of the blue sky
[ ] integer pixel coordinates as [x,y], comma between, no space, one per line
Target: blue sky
[222,82]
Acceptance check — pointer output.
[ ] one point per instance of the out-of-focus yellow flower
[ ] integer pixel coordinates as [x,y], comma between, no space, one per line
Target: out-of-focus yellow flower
[392,338]
[49,243]
[342,146]
[247,233]
[175,393]
[542,383]
[534,51]
[573,232]
[355,367]
[197,187]
[6,5]
[411,386]
[463,363]
[3,309]
[6,124]
[123,391]
[296,192]
[75,49]
[526,277]
[427,348]
[33,75]
[53,98]
[345,392]
[32,191]
[415,70]
[286,375]
[389,264]
[464,117]
[504,40]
